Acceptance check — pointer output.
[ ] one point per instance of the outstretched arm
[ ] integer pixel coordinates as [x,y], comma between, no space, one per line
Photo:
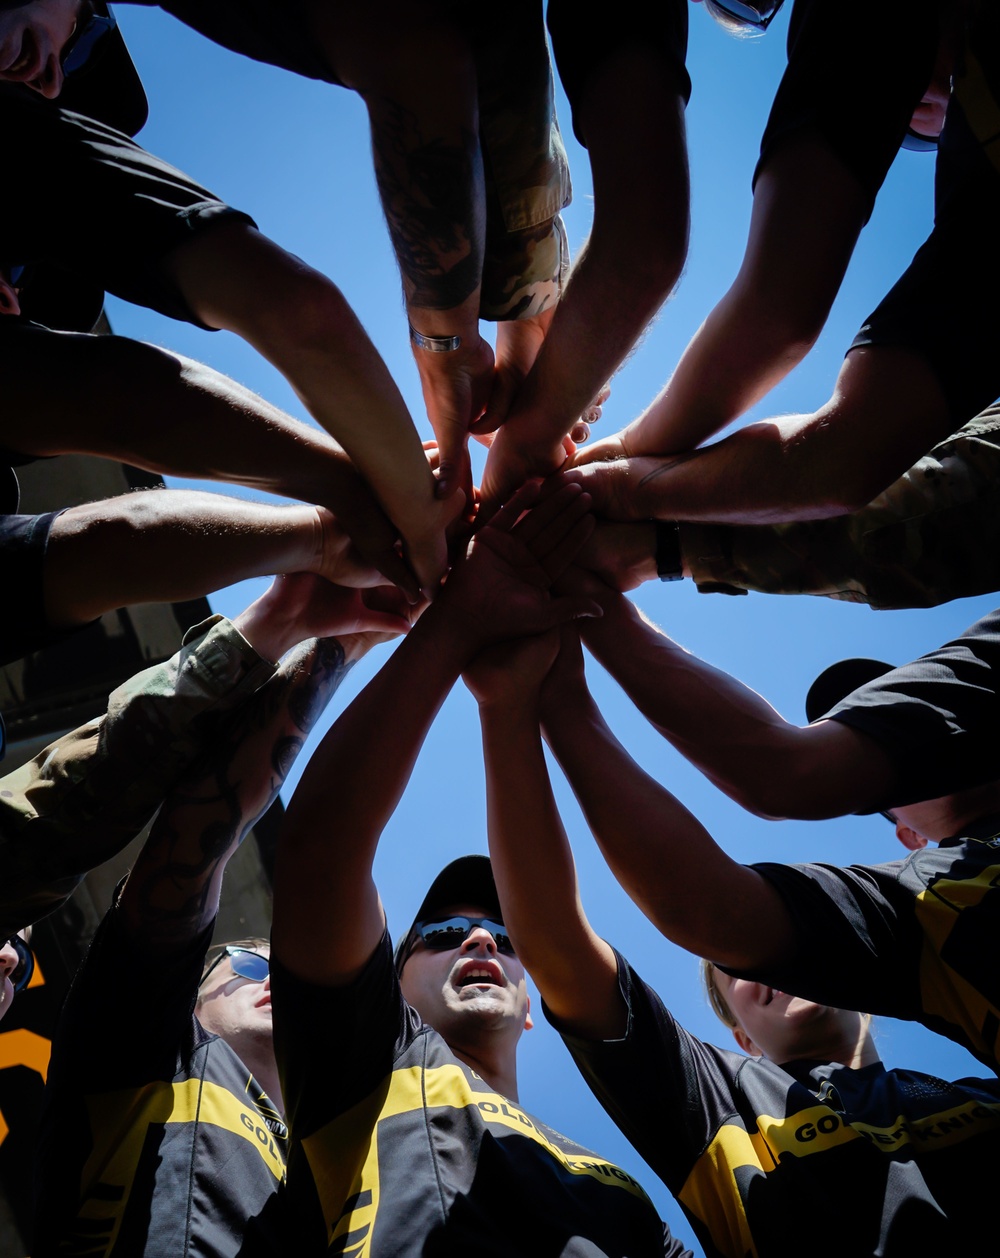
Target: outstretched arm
[174,544]
[575,971]
[762,761]
[416,73]
[632,116]
[327,915]
[232,277]
[79,394]
[887,411]
[666,861]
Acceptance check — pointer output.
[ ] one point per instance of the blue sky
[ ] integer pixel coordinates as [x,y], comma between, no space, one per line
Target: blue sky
[295,155]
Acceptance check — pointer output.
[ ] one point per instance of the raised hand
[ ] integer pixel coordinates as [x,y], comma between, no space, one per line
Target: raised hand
[501,589]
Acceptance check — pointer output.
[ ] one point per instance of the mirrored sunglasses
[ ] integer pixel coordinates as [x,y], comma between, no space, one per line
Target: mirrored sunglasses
[440,934]
[252,965]
[91,28]
[759,16]
[21,974]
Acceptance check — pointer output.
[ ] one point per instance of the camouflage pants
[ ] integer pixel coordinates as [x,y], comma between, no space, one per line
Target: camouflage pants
[932,536]
[83,798]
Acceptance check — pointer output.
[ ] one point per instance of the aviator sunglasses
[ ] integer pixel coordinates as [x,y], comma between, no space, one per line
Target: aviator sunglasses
[252,965]
[20,975]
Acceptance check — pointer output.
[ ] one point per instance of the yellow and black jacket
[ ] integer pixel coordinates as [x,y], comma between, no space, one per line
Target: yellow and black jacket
[156,1139]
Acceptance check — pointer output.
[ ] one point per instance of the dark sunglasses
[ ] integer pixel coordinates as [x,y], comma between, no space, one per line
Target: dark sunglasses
[91,28]
[20,975]
[441,934]
[252,965]
[759,16]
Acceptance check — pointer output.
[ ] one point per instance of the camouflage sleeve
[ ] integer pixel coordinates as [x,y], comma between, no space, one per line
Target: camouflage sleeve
[932,536]
[526,257]
[88,794]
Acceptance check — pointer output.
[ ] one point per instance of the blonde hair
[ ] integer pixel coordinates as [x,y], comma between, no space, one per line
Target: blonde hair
[710,981]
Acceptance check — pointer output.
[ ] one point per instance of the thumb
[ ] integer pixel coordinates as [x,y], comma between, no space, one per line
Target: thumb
[573,607]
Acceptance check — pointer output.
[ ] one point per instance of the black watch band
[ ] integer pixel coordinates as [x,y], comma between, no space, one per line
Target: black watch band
[669,565]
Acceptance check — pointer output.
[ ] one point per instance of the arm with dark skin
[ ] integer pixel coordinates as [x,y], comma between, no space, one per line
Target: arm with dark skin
[173,891]
[327,914]
[768,765]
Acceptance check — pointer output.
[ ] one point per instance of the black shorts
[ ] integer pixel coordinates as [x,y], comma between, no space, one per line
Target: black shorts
[23,624]
[856,77]
[582,42]
[91,203]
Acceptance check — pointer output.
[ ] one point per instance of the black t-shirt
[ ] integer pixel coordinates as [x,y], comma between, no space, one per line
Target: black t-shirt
[95,209]
[912,939]
[399,1148]
[812,1156]
[938,718]
[155,1139]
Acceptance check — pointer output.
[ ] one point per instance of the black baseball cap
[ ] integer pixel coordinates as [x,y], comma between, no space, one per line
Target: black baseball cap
[107,87]
[468,880]
[840,680]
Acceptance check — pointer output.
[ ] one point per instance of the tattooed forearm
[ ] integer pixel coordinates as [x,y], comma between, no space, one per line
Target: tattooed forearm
[433,198]
[173,891]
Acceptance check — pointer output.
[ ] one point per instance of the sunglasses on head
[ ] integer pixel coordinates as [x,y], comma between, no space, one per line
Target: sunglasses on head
[91,28]
[252,965]
[20,975]
[443,933]
[759,16]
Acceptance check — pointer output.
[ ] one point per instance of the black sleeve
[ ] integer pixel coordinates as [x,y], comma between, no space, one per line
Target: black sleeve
[335,1045]
[666,1090]
[857,941]
[938,718]
[129,1015]
[92,203]
[854,83]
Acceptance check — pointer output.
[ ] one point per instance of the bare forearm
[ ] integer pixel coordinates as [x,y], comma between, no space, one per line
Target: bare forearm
[665,860]
[574,970]
[807,212]
[731,733]
[342,803]
[169,545]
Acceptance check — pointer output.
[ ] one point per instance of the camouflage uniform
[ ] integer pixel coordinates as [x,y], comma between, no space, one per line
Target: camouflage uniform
[932,536]
[83,798]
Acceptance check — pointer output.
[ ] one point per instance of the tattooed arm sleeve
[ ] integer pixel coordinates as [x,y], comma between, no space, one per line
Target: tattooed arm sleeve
[173,892]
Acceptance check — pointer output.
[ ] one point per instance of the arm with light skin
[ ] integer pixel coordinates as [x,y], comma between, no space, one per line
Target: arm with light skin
[233,277]
[429,170]
[632,115]
[170,545]
[808,211]
[327,914]
[768,765]
[667,862]
[172,893]
[81,394]
[574,970]
[887,411]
